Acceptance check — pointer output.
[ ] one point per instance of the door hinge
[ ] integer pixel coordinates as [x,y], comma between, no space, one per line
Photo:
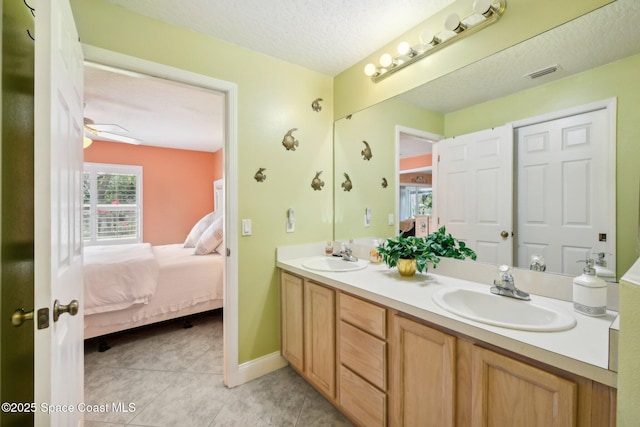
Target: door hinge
[228,252]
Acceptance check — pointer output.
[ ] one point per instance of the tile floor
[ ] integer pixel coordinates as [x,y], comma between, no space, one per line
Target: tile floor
[173,377]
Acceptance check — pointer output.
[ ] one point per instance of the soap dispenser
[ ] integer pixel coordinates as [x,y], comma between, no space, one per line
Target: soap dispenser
[589,292]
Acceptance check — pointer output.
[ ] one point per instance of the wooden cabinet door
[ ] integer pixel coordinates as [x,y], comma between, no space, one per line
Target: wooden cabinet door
[320,337]
[292,321]
[506,392]
[423,375]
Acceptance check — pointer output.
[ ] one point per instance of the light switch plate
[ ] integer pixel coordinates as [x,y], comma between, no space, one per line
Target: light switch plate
[246,227]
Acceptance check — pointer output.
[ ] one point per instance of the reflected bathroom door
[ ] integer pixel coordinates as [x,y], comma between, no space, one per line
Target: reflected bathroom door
[475,192]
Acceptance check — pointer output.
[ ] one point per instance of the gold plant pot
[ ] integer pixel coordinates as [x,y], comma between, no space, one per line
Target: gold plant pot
[407,267]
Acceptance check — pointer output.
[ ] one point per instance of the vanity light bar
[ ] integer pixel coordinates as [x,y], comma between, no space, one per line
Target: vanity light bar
[488,12]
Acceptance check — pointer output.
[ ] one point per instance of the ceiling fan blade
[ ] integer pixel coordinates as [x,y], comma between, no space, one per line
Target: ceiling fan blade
[95,131]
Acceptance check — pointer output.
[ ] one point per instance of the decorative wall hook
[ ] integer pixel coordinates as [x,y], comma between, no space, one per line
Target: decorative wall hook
[260,176]
[385,184]
[366,153]
[316,182]
[347,185]
[289,141]
[315,105]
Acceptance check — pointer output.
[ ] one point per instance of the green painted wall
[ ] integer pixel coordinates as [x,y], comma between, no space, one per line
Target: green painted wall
[628,361]
[273,97]
[523,19]
[619,79]
[377,126]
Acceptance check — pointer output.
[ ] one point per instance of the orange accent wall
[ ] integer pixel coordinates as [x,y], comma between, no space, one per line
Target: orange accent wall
[177,185]
[416,162]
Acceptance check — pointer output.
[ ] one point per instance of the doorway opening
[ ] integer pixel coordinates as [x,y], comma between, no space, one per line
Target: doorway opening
[228,122]
[415,177]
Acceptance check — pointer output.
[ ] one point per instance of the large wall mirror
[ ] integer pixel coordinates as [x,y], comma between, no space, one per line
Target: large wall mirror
[489,93]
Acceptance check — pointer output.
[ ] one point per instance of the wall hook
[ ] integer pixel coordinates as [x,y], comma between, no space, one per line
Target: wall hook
[315,105]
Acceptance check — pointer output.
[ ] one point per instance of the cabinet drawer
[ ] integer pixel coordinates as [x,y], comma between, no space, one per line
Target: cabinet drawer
[364,315]
[363,402]
[364,354]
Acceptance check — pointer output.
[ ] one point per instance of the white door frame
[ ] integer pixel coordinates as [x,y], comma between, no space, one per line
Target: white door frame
[610,105]
[109,58]
[434,168]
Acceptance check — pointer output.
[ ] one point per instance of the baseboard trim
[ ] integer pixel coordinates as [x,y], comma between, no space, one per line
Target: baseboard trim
[256,368]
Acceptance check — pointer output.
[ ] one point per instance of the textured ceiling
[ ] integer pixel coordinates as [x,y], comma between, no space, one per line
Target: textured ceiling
[597,38]
[329,36]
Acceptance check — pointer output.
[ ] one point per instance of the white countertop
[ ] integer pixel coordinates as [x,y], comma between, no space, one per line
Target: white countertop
[583,350]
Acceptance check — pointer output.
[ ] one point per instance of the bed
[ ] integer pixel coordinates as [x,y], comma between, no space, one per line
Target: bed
[127,286]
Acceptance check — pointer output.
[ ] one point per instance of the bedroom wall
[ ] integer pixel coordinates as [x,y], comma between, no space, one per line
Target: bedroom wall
[177,185]
[416,162]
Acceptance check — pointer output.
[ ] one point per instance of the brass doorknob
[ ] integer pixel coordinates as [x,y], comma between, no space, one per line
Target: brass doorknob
[20,316]
[71,308]
[504,234]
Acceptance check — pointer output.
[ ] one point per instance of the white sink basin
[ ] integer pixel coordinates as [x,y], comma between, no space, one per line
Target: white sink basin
[332,263]
[503,311]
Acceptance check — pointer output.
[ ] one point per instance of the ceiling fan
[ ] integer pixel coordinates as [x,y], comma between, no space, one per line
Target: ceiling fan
[109,132]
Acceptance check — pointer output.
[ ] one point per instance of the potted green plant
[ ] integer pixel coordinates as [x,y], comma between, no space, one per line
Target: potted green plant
[443,244]
[411,253]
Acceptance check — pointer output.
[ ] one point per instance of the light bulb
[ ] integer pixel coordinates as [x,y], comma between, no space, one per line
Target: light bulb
[386,60]
[370,70]
[482,7]
[452,23]
[404,48]
[428,38]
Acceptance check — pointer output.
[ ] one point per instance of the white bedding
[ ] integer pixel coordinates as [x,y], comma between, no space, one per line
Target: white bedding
[187,284]
[119,276]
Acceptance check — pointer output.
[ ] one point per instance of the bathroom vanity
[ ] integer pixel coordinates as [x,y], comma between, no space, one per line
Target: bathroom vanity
[384,353]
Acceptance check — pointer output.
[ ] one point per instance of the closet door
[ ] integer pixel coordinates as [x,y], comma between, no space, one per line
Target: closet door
[563,205]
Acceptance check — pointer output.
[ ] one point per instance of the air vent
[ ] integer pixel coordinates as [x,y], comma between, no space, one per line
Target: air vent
[543,72]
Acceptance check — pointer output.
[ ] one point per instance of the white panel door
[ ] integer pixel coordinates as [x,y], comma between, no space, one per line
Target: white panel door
[562,185]
[58,127]
[474,191]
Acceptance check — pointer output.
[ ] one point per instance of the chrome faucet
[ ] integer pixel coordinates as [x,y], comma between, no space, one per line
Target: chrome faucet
[601,262]
[537,263]
[347,254]
[505,285]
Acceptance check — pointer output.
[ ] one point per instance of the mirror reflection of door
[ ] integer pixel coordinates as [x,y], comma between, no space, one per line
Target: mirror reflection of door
[562,187]
[561,191]
[474,193]
[415,180]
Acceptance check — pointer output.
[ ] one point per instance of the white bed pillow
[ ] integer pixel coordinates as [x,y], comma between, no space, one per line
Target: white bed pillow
[210,239]
[198,229]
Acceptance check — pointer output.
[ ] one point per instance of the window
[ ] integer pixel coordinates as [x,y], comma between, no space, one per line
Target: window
[415,200]
[112,204]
